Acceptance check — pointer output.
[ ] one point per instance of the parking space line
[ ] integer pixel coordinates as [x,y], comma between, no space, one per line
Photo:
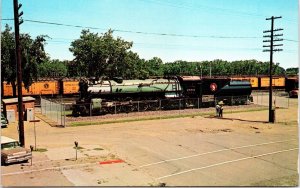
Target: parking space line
[216,151]
[226,162]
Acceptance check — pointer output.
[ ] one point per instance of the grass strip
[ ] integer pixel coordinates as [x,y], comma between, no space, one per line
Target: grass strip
[85,123]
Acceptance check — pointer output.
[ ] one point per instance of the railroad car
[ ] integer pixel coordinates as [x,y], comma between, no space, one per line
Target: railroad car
[292,86]
[120,95]
[277,82]
[69,86]
[107,96]
[46,87]
[252,79]
[41,87]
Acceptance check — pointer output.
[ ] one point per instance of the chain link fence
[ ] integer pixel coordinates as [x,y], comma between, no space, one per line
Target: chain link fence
[280,98]
[60,110]
[54,110]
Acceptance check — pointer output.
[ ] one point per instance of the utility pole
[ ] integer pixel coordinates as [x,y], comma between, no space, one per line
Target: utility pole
[18,22]
[271,50]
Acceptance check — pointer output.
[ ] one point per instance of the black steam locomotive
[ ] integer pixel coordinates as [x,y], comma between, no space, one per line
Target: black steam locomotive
[180,92]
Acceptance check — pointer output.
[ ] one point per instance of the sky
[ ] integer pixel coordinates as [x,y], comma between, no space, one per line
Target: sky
[196,30]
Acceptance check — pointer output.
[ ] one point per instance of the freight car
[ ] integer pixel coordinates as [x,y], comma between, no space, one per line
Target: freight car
[46,87]
[263,82]
[292,86]
[117,95]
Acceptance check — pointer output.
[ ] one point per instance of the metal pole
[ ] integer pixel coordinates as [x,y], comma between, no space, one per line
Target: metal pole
[34,137]
[19,73]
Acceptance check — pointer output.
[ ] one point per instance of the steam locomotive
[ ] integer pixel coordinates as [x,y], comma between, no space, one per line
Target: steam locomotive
[103,95]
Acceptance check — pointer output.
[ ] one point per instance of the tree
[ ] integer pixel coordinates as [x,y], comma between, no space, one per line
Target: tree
[155,66]
[52,68]
[8,62]
[32,53]
[100,55]
[292,71]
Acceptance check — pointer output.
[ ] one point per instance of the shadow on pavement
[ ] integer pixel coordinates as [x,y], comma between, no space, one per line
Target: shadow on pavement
[238,119]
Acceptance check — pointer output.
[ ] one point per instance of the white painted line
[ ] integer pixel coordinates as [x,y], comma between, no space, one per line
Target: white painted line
[216,151]
[44,169]
[225,162]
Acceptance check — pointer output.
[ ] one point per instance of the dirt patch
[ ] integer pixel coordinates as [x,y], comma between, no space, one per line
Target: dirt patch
[211,131]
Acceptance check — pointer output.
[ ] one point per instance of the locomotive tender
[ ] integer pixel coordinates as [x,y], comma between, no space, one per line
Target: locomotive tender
[178,92]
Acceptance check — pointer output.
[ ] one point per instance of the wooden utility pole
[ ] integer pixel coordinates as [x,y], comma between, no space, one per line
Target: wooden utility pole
[271,50]
[18,22]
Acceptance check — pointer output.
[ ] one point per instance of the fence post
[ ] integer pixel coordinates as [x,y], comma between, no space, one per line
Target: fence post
[41,104]
[115,107]
[45,108]
[61,115]
[179,106]
[159,104]
[90,109]
[64,110]
[198,102]
[138,106]
[57,112]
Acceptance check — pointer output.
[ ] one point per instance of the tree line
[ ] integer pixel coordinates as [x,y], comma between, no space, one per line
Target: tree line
[97,55]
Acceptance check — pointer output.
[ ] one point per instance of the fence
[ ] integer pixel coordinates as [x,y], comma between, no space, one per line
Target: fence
[54,111]
[60,111]
[280,98]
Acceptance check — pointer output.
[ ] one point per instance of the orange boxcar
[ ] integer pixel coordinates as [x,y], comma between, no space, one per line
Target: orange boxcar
[8,91]
[277,82]
[41,87]
[70,86]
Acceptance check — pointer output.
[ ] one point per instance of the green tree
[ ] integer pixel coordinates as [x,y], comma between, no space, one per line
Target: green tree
[155,66]
[292,71]
[100,55]
[8,62]
[52,68]
[32,53]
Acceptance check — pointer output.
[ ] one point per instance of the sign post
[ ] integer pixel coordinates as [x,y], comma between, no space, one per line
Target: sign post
[34,121]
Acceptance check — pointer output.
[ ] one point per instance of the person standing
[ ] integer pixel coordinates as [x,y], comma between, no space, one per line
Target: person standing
[217,110]
[221,108]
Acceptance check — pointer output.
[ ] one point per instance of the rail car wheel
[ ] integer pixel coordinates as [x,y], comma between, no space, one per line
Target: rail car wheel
[142,106]
[75,112]
[110,110]
[153,105]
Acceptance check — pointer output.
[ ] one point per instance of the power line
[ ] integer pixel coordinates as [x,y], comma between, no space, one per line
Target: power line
[142,32]
[291,40]
[207,8]
[61,41]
